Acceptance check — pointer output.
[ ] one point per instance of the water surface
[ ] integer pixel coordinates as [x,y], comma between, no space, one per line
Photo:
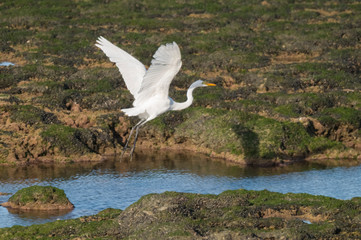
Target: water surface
[92,187]
[6,64]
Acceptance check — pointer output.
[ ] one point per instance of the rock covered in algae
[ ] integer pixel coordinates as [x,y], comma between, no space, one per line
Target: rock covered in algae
[39,198]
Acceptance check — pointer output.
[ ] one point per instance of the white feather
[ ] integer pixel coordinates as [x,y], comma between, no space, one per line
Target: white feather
[165,65]
[131,69]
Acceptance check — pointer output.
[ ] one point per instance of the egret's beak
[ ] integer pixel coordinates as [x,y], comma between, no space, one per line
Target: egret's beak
[209,84]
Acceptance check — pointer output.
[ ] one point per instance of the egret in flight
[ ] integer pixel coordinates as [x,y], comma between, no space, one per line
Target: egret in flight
[149,87]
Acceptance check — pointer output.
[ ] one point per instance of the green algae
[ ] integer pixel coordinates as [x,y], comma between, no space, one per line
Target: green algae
[76,140]
[288,110]
[29,114]
[344,115]
[62,137]
[95,226]
[248,134]
[39,195]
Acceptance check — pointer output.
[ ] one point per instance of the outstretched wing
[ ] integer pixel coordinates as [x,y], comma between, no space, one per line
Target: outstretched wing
[165,65]
[131,69]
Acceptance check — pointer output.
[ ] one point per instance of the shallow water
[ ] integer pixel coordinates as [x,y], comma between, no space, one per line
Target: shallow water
[92,187]
[6,64]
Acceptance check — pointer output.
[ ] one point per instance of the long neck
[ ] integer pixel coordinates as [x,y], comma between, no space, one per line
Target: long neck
[180,106]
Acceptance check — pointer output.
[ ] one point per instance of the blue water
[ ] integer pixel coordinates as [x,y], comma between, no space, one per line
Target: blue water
[92,187]
[6,64]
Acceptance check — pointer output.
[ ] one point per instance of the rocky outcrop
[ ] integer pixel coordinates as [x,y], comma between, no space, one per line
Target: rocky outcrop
[239,214]
[39,198]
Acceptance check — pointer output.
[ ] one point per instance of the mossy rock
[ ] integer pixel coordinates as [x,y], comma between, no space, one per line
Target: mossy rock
[39,198]
[29,114]
[247,135]
[76,140]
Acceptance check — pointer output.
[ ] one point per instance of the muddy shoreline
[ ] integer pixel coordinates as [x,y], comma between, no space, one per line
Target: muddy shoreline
[332,159]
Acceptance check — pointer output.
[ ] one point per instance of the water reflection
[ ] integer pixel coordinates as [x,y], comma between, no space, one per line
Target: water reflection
[157,161]
[38,214]
[92,187]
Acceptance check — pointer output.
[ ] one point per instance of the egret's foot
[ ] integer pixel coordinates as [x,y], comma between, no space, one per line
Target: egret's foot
[123,151]
[131,153]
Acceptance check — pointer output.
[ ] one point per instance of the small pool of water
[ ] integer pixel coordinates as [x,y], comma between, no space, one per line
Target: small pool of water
[6,64]
[92,187]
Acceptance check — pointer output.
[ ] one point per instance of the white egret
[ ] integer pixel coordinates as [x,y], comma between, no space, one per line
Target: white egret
[149,87]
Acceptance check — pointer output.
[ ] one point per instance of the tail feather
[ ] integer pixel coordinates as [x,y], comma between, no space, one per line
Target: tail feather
[132,111]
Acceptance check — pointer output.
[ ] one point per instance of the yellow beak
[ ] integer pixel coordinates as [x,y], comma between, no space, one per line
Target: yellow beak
[209,84]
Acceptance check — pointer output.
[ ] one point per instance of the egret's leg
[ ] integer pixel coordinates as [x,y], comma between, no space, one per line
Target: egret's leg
[135,142]
[126,143]
[130,135]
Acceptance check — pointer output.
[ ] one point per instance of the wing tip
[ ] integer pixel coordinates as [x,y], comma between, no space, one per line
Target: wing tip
[101,41]
[172,44]
[169,45]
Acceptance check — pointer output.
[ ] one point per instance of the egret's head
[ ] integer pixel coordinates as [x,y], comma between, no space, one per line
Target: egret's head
[201,83]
